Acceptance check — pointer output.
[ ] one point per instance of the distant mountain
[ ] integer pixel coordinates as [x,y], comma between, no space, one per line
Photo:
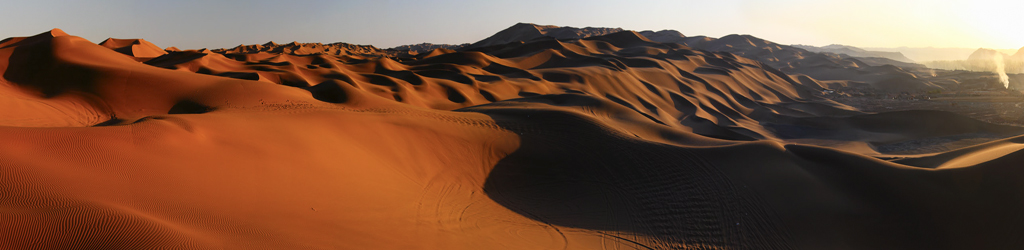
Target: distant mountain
[821,66]
[984,59]
[672,36]
[987,55]
[935,54]
[880,72]
[855,52]
[524,32]
[984,54]
[665,36]
[1019,55]
[880,61]
[872,58]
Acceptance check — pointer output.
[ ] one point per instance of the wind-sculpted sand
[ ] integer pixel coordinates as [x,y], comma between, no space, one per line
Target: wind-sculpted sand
[608,142]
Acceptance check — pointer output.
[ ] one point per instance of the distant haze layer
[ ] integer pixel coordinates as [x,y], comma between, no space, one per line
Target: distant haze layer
[937,54]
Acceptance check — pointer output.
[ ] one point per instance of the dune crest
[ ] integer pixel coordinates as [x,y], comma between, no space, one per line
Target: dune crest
[133,47]
[607,140]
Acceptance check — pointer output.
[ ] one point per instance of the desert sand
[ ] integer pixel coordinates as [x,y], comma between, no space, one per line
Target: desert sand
[612,141]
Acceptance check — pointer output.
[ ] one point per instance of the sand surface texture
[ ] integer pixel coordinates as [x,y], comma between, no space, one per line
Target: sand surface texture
[608,142]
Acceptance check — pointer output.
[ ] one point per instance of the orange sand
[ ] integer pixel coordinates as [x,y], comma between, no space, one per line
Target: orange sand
[609,142]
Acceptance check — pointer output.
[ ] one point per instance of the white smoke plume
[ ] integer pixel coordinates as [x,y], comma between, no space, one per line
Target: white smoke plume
[1001,70]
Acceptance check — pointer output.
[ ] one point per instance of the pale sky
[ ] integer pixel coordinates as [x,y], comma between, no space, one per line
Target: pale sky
[193,24]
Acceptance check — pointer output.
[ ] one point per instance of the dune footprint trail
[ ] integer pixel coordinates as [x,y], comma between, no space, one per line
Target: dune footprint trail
[612,142]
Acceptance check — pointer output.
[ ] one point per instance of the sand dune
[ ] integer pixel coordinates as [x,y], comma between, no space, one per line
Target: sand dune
[133,47]
[297,48]
[874,73]
[611,141]
[427,47]
[526,32]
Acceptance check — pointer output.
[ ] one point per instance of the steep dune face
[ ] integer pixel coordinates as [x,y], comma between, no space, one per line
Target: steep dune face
[133,47]
[612,141]
[26,106]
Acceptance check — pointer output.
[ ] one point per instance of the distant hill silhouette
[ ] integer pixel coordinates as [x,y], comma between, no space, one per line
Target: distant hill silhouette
[855,52]
[881,73]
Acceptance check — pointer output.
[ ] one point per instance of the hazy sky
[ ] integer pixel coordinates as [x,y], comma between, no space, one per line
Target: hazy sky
[192,24]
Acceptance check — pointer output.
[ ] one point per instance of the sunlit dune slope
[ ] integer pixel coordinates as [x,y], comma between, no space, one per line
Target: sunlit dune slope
[133,47]
[612,141]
